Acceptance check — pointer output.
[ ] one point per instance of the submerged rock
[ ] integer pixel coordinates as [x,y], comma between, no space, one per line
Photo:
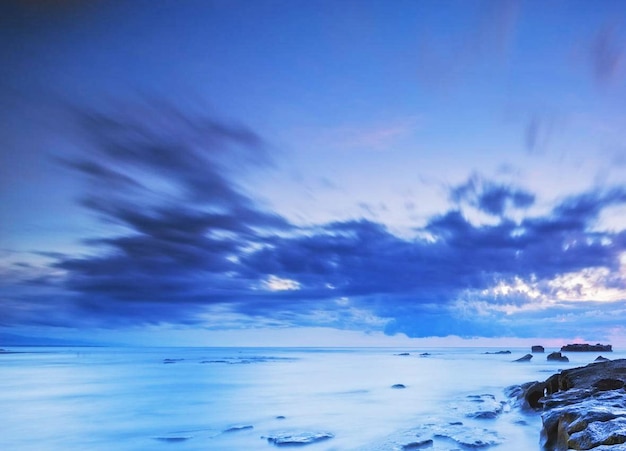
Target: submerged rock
[398,386]
[537,348]
[173,439]
[582,408]
[586,347]
[526,358]
[469,437]
[404,353]
[556,357]
[300,438]
[239,427]
[498,352]
[482,407]
[172,360]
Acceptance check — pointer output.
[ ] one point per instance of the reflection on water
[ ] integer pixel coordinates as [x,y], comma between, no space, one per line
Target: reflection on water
[233,399]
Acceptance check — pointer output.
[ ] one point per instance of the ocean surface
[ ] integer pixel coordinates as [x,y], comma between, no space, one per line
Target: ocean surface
[99,398]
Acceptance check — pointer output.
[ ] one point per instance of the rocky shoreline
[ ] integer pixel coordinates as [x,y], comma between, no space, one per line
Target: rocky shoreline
[581,408]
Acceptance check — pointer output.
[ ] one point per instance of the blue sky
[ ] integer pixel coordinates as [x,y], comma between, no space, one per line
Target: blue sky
[313,172]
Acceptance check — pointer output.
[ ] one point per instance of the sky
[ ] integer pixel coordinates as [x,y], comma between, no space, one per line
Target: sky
[290,172]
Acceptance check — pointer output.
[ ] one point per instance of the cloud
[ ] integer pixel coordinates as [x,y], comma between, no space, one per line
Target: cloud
[186,243]
[492,198]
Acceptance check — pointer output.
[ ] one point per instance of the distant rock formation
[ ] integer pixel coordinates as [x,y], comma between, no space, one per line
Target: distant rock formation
[526,358]
[537,348]
[557,357]
[498,352]
[585,347]
[582,408]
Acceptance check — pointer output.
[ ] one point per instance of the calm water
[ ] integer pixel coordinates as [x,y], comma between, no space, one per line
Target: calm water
[129,399]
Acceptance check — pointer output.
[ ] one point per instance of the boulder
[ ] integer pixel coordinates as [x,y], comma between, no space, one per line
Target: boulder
[585,347]
[537,348]
[601,359]
[398,386]
[557,357]
[526,358]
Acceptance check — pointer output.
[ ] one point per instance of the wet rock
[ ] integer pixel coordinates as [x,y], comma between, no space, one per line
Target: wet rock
[300,438]
[537,348]
[583,408]
[482,407]
[585,347]
[239,427]
[498,352]
[556,357]
[601,359]
[172,360]
[424,354]
[469,437]
[281,417]
[404,353]
[526,358]
[398,386]
[608,384]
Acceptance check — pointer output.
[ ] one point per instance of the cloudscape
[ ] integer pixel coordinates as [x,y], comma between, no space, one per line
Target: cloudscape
[258,172]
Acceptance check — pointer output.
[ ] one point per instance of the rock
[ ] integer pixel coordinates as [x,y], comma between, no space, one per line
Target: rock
[172,360]
[526,358]
[469,437]
[301,438]
[601,359]
[498,352]
[585,347]
[557,357]
[537,348]
[398,386]
[424,354]
[281,417]
[172,439]
[583,408]
[608,384]
[239,427]
[482,407]
[404,353]
[419,445]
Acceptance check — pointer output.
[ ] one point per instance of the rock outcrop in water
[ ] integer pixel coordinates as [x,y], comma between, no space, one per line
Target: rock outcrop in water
[585,347]
[582,408]
[526,358]
[557,357]
[537,348]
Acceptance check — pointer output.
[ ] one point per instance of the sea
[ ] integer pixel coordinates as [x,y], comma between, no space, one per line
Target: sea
[169,398]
